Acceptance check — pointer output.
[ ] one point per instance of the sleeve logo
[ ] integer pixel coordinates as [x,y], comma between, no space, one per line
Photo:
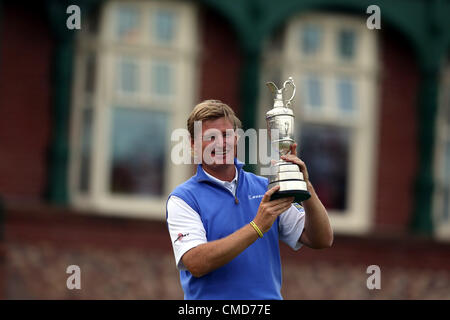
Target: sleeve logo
[181,236]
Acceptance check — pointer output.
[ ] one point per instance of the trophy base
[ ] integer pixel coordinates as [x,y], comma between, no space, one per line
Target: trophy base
[290,180]
[299,195]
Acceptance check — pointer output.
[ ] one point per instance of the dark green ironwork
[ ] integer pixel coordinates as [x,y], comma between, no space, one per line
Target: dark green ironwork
[432,53]
[62,74]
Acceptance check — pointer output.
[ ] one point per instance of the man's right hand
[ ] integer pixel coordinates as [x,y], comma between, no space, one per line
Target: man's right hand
[268,211]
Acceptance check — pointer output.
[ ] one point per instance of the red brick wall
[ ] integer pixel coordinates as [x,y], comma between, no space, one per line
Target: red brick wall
[397,139]
[132,259]
[25,56]
[127,249]
[220,60]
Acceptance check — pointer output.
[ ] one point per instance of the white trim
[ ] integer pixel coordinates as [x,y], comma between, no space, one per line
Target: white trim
[442,134]
[183,55]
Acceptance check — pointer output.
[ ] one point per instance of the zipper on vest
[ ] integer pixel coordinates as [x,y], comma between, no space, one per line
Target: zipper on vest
[236,200]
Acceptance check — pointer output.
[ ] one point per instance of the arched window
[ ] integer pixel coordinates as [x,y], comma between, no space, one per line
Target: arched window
[333,60]
[134,83]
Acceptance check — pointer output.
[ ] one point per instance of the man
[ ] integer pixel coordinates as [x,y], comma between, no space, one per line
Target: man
[217,217]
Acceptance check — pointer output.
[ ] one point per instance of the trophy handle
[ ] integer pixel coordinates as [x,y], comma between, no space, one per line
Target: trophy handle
[291,82]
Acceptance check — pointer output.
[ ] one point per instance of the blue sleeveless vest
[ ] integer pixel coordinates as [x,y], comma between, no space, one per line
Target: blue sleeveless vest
[256,272]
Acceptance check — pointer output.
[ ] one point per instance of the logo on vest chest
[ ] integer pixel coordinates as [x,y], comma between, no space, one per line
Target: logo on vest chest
[252,197]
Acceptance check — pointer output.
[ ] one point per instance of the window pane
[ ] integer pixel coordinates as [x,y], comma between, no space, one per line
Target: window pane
[138,163]
[345,94]
[346,43]
[162,80]
[311,36]
[164,26]
[325,150]
[128,76]
[313,92]
[128,23]
[85,154]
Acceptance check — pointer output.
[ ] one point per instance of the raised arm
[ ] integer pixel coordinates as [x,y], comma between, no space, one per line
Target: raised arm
[318,233]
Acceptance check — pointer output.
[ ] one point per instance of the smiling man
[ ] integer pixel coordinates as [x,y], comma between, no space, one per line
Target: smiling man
[225,231]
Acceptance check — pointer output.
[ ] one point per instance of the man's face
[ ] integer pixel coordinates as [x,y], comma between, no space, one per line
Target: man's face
[218,142]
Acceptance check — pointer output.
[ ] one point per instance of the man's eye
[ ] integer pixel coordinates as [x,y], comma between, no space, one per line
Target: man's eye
[208,138]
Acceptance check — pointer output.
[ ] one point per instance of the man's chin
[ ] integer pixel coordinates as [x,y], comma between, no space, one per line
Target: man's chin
[217,163]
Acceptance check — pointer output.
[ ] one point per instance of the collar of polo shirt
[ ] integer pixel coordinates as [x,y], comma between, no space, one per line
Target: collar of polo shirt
[229,185]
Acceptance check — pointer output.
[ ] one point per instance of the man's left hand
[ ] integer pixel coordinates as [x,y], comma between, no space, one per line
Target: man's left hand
[292,157]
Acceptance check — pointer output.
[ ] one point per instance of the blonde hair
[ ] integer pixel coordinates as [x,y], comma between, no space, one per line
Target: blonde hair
[210,110]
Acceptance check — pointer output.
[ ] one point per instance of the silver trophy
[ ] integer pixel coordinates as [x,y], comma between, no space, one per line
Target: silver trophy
[285,174]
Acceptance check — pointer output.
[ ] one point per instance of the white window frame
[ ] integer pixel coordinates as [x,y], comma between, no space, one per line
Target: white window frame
[358,218]
[442,134]
[99,199]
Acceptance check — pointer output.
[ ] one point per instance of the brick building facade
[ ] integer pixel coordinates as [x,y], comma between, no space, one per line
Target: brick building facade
[129,257]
